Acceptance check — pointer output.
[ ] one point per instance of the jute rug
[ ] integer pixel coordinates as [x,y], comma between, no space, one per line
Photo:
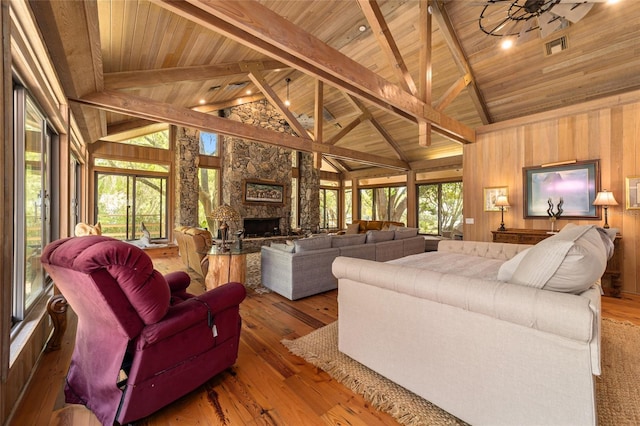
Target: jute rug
[617,389]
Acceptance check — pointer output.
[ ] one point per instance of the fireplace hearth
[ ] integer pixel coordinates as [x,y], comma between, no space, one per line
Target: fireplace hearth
[261,227]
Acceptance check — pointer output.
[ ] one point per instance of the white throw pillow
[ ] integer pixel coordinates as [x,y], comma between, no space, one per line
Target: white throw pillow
[509,267]
[570,261]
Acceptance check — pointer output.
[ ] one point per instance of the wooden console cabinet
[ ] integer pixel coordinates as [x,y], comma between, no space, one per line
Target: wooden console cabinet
[533,236]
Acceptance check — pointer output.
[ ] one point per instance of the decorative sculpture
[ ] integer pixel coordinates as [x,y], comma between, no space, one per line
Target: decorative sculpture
[554,216]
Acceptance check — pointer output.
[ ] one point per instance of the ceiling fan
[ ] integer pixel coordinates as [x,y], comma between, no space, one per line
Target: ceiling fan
[507,18]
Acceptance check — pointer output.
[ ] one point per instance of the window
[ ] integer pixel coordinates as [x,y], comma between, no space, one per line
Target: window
[124,201]
[384,203]
[294,204]
[32,229]
[440,208]
[328,208]
[152,140]
[348,204]
[208,143]
[208,196]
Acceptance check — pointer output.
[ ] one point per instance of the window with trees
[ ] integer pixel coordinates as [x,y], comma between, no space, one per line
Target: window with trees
[440,208]
[384,203]
[329,205]
[124,201]
[33,140]
[208,196]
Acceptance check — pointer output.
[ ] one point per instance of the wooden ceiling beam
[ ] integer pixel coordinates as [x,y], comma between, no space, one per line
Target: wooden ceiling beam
[452,92]
[77,55]
[126,126]
[149,78]
[381,31]
[442,18]
[348,128]
[445,163]
[381,130]
[229,103]
[258,79]
[318,111]
[254,25]
[425,76]
[136,106]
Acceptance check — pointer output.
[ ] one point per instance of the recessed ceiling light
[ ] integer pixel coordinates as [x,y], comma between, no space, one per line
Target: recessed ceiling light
[362,28]
[202,101]
[507,43]
[248,92]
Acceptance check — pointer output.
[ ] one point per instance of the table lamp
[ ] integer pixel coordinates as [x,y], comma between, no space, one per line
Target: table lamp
[605,199]
[502,202]
[222,214]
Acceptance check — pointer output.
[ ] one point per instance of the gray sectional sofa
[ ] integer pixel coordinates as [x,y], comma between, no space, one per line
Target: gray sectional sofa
[303,267]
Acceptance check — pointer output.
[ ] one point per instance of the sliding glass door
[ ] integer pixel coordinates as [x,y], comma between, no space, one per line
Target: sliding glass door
[125,201]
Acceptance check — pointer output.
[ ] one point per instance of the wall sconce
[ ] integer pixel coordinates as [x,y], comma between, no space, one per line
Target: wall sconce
[605,199]
[502,202]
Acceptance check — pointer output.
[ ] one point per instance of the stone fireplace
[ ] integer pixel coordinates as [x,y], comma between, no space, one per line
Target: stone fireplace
[261,227]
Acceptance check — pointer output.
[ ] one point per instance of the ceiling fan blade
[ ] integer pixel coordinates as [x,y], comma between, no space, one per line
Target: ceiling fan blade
[572,12]
[526,33]
[548,23]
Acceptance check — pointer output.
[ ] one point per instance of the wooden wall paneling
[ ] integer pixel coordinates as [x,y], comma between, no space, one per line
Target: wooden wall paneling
[626,120]
[609,133]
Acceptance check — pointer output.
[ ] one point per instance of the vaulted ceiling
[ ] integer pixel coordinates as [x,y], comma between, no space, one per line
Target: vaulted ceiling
[383,83]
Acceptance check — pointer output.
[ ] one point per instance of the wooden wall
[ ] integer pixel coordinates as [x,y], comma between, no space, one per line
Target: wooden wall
[606,129]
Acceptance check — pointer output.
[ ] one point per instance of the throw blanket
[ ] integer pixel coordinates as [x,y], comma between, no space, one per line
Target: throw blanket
[453,263]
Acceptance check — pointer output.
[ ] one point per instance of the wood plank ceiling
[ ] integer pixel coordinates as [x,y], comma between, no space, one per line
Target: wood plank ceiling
[123,61]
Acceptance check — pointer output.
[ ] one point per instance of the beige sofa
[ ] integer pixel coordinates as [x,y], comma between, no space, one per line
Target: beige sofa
[193,245]
[490,352]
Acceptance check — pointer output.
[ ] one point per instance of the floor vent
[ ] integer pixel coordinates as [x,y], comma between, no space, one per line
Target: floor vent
[555,46]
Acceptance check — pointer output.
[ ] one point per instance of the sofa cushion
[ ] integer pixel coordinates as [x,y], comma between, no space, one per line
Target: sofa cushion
[348,240]
[284,247]
[402,233]
[570,261]
[353,228]
[379,236]
[313,243]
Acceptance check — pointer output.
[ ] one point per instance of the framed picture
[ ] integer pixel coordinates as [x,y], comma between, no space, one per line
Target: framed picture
[262,192]
[568,189]
[491,195]
[633,192]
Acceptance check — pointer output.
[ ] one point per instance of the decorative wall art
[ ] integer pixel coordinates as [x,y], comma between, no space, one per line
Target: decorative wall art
[262,192]
[563,190]
[491,195]
[632,190]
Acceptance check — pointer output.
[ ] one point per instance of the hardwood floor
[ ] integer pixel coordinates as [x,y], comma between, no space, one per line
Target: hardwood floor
[267,385]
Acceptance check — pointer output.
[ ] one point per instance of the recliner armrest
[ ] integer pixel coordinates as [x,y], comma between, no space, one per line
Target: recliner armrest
[193,311]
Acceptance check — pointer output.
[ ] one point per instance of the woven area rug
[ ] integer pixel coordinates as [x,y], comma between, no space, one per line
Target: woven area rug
[617,389]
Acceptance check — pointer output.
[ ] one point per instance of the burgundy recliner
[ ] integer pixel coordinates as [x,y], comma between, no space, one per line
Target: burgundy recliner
[142,340]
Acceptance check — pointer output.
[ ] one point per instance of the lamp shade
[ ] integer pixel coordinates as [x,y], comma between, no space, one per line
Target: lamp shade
[605,198]
[224,213]
[502,201]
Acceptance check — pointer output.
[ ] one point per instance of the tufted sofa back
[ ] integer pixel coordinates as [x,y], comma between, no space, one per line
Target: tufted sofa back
[502,251]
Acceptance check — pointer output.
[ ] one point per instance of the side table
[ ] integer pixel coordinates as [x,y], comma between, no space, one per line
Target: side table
[226,266]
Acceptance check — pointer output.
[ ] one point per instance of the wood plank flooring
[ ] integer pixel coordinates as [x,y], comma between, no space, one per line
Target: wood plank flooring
[267,385]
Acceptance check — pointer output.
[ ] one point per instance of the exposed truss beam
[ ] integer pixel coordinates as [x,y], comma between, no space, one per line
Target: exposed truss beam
[452,92]
[228,104]
[150,78]
[256,26]
[157,111]
[425,75]
[444,23]
[380,29]
[258,79]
